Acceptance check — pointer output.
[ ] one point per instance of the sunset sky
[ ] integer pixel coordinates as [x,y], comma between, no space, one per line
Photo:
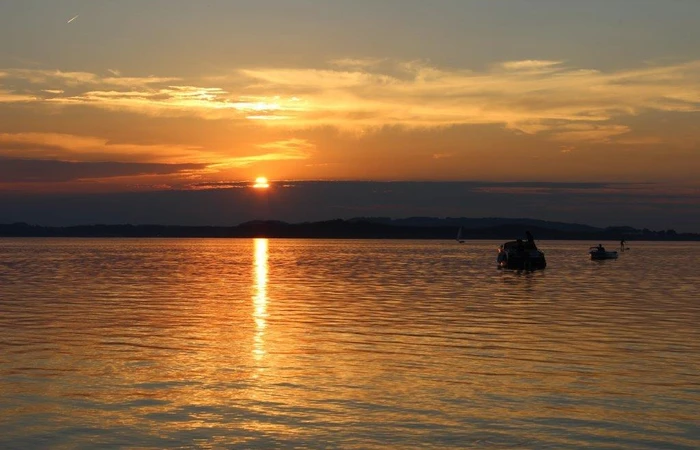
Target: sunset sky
[587,111]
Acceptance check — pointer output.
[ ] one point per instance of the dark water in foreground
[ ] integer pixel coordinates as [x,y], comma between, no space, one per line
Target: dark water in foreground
[345,344]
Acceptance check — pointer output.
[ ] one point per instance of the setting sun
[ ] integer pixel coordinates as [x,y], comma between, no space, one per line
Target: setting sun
[261,183]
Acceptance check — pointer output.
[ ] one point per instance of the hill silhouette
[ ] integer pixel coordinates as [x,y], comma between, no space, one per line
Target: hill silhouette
[360,228]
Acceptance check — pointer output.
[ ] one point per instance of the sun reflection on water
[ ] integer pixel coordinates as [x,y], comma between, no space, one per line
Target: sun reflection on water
[319,343]
[260,297]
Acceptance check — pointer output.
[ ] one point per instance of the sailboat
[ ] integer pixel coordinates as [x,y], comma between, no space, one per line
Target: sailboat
[459,236]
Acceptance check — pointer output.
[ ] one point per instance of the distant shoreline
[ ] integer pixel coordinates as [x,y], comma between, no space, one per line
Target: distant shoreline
[356,229]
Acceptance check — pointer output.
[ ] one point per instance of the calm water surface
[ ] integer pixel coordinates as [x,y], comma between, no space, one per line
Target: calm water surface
[117,343]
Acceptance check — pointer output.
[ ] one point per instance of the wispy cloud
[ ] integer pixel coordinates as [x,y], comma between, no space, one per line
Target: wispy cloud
[284,150]
[195,163]
[70,147]
[356,63]
[688,194]
[531,96]
[43,171]
[78,79]
[530,64]
[586,132]
[12,97]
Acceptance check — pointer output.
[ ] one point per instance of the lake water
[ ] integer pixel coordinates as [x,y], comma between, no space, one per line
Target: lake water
[120,343]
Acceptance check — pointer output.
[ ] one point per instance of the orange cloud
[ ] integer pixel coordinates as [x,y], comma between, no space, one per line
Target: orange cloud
[11,97]
[531,96]
[285,150]
[530,64]
[70,147]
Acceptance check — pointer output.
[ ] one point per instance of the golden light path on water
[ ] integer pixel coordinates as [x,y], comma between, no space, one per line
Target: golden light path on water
[260,297]
[285,343]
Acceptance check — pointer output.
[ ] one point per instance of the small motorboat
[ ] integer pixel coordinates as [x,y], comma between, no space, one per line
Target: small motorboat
[521,255]
[599,253]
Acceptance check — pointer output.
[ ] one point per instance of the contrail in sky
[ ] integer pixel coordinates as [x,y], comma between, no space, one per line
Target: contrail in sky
[73,18]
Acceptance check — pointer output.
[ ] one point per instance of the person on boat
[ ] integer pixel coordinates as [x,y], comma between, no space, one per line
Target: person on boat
[502,255]
[601,248]
[530,240]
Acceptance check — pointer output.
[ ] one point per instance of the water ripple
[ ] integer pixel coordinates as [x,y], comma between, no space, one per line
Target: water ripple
[345,344]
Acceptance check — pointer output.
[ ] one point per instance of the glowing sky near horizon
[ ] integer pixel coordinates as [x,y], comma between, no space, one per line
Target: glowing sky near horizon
[166,94]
